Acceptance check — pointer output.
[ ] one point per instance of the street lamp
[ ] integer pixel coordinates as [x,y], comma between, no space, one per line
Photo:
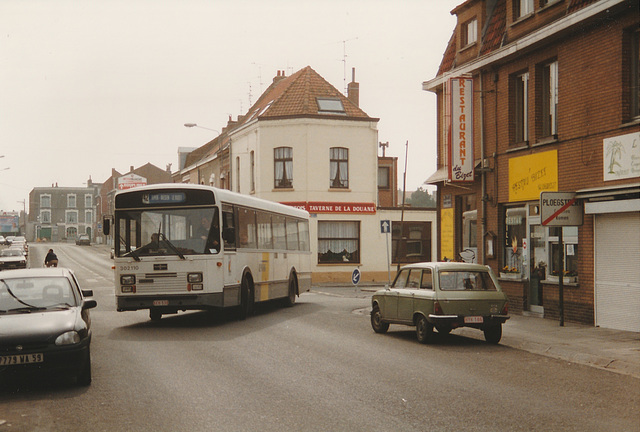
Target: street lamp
[190,125]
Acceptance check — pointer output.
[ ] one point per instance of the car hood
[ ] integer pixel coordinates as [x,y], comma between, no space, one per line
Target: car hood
[12,258]
[38,326]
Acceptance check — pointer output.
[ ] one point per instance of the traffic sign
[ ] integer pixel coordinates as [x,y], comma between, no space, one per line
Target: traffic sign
[560,209]
[355,276]
[385,226]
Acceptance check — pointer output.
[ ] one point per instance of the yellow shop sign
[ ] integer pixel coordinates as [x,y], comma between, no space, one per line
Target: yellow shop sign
[532,174]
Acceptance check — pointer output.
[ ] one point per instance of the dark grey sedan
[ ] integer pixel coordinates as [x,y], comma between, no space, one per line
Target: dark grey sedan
[45,324]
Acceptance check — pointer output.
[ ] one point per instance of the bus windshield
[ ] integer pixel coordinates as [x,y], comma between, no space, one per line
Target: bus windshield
[167,231]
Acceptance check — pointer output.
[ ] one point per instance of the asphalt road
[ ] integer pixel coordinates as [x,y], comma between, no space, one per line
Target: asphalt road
[315,367]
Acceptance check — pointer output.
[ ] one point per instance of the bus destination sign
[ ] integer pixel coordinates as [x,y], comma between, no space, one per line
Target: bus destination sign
[164,198]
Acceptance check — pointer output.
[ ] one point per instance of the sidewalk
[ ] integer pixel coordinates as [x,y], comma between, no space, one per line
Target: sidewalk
[613,350]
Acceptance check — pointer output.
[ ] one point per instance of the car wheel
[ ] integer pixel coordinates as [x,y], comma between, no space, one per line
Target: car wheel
[246,298]
[424,330]
[84,377]
[155,315]
[493,334]
[376,321]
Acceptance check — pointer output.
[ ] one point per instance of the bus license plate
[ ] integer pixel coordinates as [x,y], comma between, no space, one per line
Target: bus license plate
[161,302]
[473,320]
[21,359]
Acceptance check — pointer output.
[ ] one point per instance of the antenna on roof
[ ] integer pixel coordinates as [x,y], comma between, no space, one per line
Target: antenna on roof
[344,61]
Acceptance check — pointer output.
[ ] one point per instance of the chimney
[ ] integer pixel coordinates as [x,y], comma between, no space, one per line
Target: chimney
[131,168]
[279,76]
[353,89]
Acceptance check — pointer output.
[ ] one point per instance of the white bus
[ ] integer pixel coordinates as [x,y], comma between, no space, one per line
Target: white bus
[190,247]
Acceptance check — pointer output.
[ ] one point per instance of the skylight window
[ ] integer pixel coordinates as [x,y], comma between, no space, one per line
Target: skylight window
[332,106]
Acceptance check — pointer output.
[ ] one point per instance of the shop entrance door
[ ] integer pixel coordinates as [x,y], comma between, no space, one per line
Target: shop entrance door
[537,268]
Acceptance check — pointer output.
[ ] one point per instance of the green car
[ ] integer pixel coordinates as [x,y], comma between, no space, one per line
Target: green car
[444,296]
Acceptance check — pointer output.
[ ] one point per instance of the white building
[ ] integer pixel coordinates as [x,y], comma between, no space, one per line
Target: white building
[305,144]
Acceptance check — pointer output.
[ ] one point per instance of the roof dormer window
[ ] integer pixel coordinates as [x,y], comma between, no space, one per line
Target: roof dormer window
[470,32]
[330,106]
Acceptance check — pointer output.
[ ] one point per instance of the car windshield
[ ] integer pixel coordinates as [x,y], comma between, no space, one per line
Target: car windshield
[29,293]
[10,252]
[466,281]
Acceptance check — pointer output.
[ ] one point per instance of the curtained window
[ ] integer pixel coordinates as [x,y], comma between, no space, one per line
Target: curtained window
[283,167]
[339,164]
[338,242]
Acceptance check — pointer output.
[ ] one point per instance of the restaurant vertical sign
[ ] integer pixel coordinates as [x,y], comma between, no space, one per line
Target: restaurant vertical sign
[461,132]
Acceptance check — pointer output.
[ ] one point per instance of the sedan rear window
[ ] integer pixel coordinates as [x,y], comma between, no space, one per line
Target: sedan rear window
[466,281]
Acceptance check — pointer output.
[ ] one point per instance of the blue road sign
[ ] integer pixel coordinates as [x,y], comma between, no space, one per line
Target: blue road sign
[385,226]
[355,276]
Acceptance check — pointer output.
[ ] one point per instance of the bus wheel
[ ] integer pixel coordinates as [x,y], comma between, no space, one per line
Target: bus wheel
[246,298]
[155,314]
[290,300]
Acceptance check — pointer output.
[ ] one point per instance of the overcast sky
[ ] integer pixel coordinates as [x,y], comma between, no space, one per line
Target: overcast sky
[87,86]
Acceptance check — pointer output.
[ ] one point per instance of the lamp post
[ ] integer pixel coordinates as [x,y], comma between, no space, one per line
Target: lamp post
[190,125]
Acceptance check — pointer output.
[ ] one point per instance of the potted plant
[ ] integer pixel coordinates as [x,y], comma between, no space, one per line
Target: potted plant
[569,276]
[510,273]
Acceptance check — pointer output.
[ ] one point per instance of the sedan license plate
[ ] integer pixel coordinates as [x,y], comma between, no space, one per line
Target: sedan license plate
[473,320]
[161,302]
[21,359]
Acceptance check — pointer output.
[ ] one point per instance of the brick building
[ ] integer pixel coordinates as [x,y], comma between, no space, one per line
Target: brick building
[543,96]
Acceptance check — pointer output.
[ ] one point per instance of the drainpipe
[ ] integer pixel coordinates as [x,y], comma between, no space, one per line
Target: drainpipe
[483,176]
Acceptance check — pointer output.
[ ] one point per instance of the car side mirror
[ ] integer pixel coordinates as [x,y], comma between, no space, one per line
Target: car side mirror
[89,304]
[87,293]
[106,226]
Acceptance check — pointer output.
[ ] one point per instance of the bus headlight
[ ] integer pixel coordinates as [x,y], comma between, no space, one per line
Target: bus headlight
[127,279]
[194,278]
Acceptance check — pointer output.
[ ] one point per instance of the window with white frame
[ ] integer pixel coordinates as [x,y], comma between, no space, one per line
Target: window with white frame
[283,167]
[339,167]
[383,177]
[522,8]
[71,201]
[88,217]
[549,99]
[45,201]
[520,108]
[45,216]
[71,216]
[469,32]
[338,242]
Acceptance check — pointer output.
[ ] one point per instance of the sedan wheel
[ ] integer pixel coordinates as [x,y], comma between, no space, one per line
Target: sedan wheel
[376,321]
[424,330]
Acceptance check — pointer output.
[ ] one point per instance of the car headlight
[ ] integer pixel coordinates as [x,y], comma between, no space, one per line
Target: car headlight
[68,338]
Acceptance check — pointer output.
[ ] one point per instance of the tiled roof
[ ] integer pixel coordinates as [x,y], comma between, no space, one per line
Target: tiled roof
[295,96]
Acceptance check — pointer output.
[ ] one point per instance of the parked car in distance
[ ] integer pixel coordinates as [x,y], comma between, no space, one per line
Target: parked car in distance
[444,296]
[83,240]
[2,240]
[46,326]
[12,259]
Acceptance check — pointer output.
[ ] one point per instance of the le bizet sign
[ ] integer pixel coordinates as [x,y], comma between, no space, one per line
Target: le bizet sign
[334,207]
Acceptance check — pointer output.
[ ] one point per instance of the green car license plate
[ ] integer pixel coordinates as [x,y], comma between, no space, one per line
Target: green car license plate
[21,359]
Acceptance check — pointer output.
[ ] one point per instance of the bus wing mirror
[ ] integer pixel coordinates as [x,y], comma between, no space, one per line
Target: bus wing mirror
[106,226]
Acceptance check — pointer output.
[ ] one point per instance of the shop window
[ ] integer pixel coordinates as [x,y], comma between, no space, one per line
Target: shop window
[338,242]
[515,232]
[283,167]
[339,167]
[410,241]
[72,232]
[571,256]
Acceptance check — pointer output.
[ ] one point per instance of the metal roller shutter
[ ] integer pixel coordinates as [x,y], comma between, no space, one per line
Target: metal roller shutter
[617,271]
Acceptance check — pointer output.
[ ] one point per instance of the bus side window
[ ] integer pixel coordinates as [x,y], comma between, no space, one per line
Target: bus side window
[228,228]
[247,228]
